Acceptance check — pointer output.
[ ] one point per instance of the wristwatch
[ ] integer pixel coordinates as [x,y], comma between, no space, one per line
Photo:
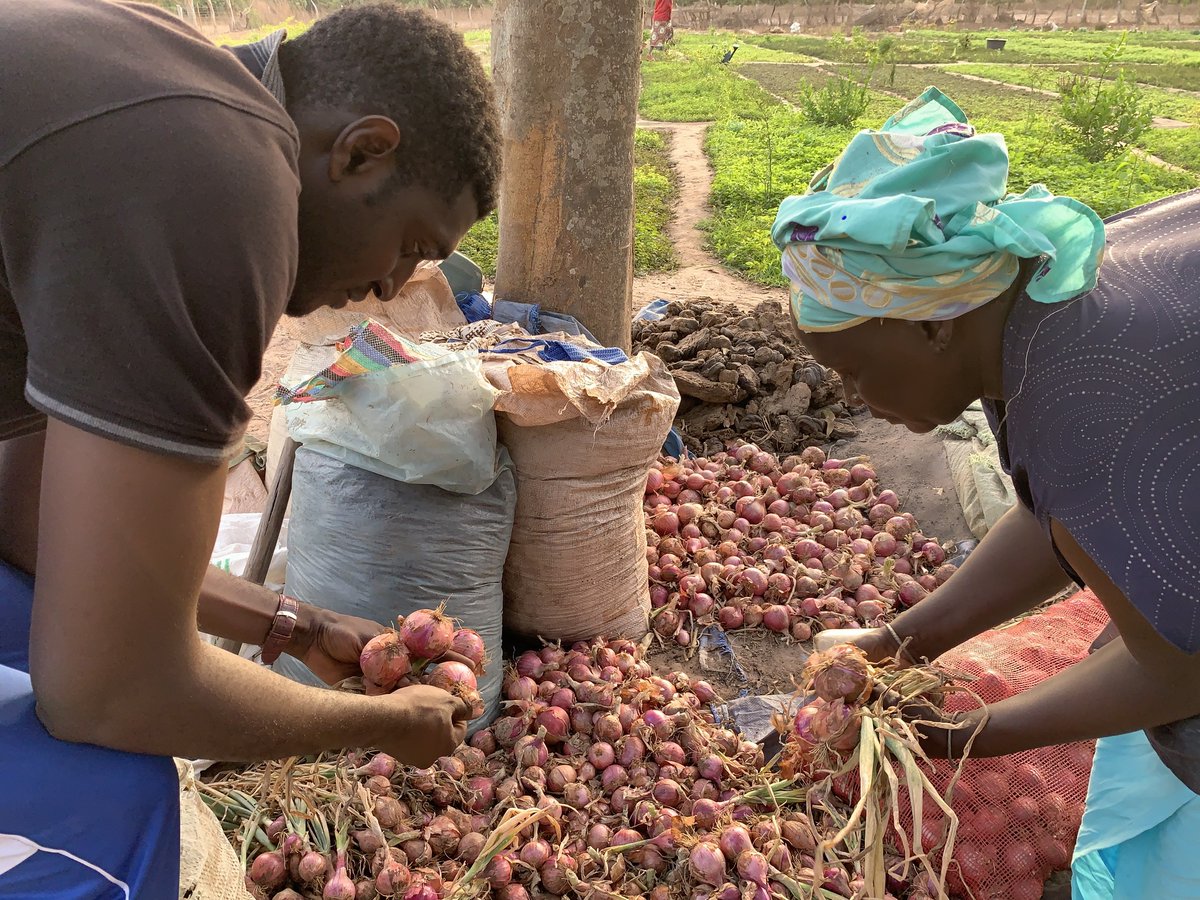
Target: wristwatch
[282,626]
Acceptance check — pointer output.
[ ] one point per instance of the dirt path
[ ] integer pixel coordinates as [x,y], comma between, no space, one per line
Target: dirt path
[699,273]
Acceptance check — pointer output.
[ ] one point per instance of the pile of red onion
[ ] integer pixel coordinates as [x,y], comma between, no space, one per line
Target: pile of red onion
[425,648]
[639,794]
[811,543]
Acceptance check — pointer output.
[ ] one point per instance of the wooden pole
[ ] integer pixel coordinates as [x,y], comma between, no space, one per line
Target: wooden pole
[269,525]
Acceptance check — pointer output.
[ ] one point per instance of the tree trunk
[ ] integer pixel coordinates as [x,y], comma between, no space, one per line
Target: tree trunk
[567,86]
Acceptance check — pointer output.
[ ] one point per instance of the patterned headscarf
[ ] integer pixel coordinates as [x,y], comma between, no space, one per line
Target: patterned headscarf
[913,222]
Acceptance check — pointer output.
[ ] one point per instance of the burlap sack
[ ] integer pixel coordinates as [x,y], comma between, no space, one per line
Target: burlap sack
[582,436]
[208,867]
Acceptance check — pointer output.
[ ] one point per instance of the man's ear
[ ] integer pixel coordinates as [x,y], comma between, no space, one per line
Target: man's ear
[939,334]
[364,147]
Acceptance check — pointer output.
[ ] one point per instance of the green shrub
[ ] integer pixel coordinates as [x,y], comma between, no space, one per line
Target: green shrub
[840,102]
[480,244]
[1103,116]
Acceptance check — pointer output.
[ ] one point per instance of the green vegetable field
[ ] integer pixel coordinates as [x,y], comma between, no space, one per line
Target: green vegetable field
[765,141]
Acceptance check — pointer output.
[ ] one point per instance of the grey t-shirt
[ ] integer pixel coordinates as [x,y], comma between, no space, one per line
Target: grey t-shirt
[1102,428]
[149,193]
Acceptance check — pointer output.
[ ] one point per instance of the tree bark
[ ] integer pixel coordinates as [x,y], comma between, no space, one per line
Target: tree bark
[566,79]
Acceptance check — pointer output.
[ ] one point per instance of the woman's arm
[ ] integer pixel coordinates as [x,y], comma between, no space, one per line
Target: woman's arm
[1138,681]
[1012,570]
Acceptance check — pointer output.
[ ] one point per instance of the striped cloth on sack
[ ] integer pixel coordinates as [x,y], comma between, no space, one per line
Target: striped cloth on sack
[369,347]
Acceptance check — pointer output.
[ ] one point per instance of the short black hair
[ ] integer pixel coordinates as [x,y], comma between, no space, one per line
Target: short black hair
[417,71]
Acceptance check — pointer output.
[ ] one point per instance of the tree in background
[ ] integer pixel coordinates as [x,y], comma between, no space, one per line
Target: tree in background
[567,83]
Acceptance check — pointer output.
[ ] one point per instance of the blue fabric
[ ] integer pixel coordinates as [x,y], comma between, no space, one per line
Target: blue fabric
[116,813]
[652,311]
[561,351]
[474,306]
[673,447]
[535,320]
[1140,830]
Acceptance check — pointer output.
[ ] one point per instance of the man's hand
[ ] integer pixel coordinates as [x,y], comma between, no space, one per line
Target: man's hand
[330,643]
[430,723]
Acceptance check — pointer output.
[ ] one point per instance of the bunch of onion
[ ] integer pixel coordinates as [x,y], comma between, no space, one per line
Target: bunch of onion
[425,648]
[850,738]
[600,779]
[744,540]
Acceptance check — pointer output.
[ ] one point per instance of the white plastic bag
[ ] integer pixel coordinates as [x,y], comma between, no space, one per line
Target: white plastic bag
[426,422]
[232,547]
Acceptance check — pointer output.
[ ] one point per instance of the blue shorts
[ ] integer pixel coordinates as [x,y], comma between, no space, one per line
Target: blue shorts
[77,822]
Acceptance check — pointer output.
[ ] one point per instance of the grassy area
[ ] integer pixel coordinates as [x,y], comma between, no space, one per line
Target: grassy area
[1021,115]
[766,153]
[711,46]
[1184,78]
[293,26]
[1164,103]
[1178,146]
[654,195]
[757,163]
[1022,47]
[480,244]
[677,89]
[480,40]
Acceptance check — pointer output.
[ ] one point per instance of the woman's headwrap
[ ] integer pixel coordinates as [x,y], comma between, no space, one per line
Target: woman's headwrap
[913,222]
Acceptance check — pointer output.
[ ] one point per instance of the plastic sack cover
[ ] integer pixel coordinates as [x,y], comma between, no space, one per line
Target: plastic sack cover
[232,548]
[209,869]
[984,492]
[369,546]
[425,422]
[1032,841]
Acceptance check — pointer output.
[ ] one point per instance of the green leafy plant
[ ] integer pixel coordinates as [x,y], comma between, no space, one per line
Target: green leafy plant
[1103,115]
[840,102]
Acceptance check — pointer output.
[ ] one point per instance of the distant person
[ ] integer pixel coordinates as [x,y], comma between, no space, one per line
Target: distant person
[925,285]
[163,202]
[661,32]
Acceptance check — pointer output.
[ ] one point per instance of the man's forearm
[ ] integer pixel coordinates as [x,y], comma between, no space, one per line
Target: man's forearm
[1012,570]
[1105,694]
[231,607]
[215,705]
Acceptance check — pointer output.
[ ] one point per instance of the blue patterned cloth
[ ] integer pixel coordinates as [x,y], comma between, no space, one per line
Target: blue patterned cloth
[1101,430]
[914,221]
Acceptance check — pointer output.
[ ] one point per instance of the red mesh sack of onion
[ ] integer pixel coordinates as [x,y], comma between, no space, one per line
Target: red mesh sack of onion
[1018,815]
[976,828]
